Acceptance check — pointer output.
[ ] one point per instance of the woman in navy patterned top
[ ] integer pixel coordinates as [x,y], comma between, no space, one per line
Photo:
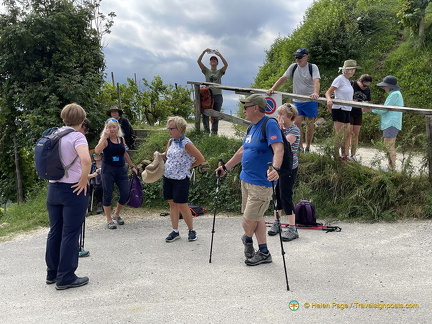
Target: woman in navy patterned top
[284,189]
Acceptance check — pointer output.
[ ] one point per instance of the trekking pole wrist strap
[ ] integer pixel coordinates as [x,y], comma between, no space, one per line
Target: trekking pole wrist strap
[224,168]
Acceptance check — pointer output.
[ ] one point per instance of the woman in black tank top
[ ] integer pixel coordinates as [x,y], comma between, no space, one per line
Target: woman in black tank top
[114,170]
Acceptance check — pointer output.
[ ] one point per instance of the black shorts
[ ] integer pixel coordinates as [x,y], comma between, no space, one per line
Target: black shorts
[356,116]
[341,116]
[176,190]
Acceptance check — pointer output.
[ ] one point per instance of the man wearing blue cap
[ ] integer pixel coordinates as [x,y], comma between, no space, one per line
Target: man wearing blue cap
[306,81]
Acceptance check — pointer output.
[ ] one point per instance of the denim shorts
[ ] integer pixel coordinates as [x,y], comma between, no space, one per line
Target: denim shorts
[390,132]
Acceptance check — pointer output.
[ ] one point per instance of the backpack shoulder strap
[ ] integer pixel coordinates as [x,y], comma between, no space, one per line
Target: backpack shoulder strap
[295,68]
[308,209]
[60,135]
[263,129]
[64,132]
[310,68]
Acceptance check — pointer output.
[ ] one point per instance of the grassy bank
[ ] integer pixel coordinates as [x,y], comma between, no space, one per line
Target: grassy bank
[340,191]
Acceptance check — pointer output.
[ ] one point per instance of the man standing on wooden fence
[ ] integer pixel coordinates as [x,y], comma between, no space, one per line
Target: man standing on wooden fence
[213,75]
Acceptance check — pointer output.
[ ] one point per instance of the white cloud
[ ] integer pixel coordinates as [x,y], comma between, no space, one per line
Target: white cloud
[165,37]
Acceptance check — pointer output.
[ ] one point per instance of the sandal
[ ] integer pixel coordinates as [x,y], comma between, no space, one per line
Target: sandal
[112,225]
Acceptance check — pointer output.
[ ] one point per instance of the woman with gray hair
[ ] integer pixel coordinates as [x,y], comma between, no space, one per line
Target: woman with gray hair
[181,155]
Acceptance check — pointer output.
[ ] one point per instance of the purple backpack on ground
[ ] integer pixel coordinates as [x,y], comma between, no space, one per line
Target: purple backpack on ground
[305,213]
[135,192]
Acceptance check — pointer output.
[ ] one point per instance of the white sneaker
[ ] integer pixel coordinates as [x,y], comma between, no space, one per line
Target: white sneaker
[353,158]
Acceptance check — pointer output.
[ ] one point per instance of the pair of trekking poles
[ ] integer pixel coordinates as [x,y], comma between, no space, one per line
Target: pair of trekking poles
[221,163]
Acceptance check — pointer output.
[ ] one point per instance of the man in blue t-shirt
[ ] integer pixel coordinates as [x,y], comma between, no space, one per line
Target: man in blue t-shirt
[256,179]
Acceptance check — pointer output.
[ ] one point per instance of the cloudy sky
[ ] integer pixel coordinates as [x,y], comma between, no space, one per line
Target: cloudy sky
[165,37]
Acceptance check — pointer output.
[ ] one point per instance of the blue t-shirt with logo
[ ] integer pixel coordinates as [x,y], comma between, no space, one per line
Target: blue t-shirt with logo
[256,154]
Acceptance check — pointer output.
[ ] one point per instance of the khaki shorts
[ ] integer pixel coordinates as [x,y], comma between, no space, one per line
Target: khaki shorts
[255,200]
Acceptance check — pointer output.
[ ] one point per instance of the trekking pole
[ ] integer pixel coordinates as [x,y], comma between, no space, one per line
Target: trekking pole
[280,229]
[220,163]
[82,237]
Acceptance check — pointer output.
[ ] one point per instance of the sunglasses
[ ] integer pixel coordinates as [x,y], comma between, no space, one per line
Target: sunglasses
[298,57]
[246,107]
[171,128]
[111,120]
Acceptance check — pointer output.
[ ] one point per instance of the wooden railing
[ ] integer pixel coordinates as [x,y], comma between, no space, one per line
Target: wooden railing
[247,91]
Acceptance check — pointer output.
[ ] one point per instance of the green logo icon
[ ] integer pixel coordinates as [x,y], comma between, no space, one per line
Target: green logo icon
[294,305]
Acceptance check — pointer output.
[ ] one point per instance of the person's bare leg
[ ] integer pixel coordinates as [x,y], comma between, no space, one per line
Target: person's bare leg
[355,139]
[390,145]
[107,210]
[118,209]
[249,227]
[187,215]
[174,214]
[310,130]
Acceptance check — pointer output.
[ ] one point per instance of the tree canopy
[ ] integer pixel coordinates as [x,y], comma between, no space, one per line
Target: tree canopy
[50,56]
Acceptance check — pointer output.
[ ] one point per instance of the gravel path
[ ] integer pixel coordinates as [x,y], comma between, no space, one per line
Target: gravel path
[135,277]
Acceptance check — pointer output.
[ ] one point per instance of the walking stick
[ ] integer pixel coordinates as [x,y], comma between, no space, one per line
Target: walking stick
[280,229]
[215,206]
[82,237]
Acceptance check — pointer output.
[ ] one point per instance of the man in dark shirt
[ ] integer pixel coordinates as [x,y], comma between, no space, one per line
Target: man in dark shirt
[126,127]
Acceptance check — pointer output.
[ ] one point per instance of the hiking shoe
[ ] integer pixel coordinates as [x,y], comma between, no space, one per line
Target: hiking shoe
[75,284]
[83,253]
[99,209]
[248,248]
[307,150]
[119,220]
[274,229]
[172,237]
[289,235]
[258,258]
[192,236]
[112,225]
[353,158]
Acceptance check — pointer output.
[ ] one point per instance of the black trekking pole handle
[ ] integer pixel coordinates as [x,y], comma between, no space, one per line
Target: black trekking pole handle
[220,163]
[270,167]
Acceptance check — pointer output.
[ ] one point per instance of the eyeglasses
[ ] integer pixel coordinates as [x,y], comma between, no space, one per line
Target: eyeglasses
[298,57]
[171,128]
[95,154]
[111,120]
[246,107]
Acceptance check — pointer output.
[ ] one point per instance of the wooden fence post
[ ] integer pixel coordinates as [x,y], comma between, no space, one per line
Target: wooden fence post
[197,107]
[428,119]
